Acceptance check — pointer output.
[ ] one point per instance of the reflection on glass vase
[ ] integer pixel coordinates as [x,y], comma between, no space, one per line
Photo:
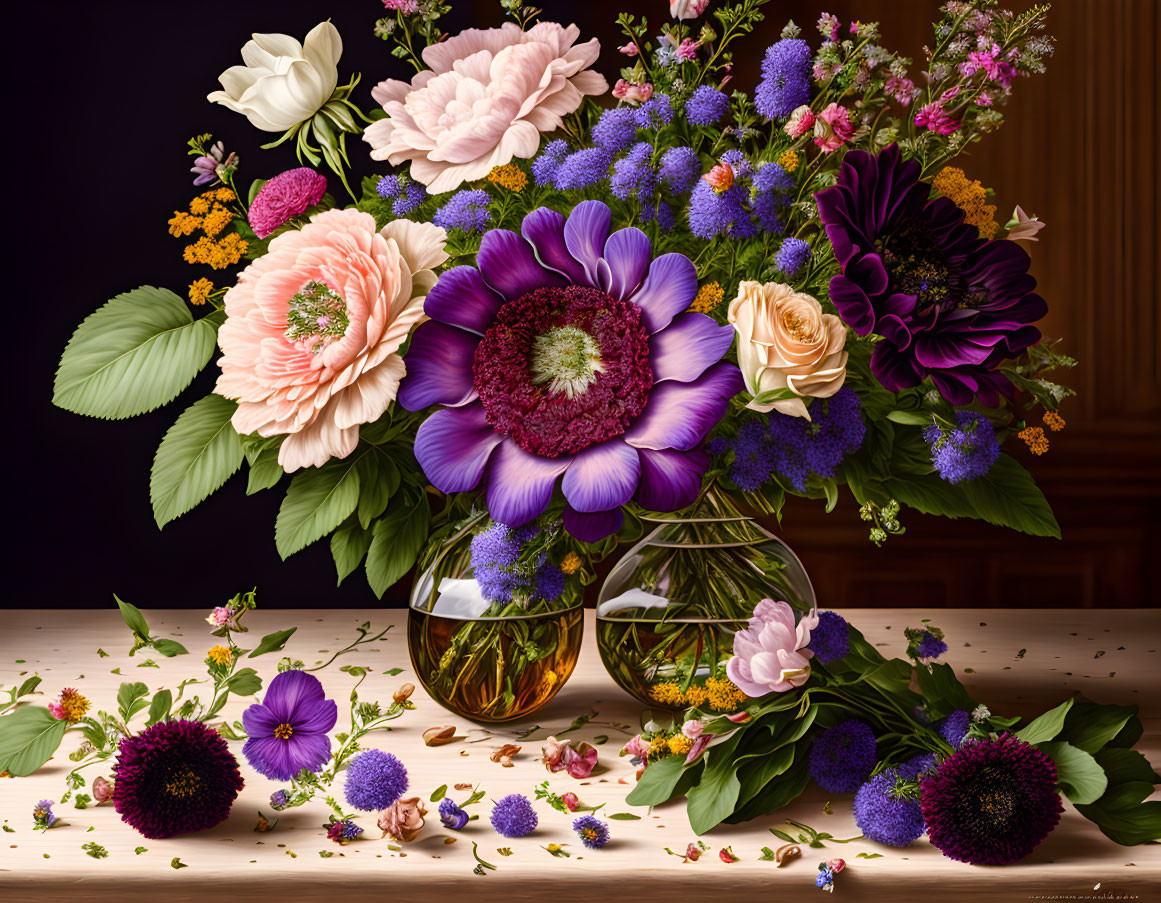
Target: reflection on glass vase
[495,623]
[668,610]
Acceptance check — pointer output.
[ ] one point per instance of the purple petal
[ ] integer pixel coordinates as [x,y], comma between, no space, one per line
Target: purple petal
[520,484]
[309,751]
[259,721]
[687,347]
[669,289]
[894,330]
[544,228]
[627,253]
[509,265]
[461,298]
[853,305]
[290,690]
[678,415]
[894,370]
[316,717]
[601,477]
[271,757]
[453,447]
[439,367]
[592,527]
[869,272]
[585,233]
[671,480]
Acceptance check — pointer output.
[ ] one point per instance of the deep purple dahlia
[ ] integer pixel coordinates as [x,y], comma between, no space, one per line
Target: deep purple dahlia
[948,304]
[991,802]
[568,353]
[288,729]
[174,778]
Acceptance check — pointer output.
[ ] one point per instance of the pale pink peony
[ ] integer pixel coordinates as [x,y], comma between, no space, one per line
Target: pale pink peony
[632,92]
[687,9]
[486,99]
[692,729]
[833,128]
[310,346]
[770,656]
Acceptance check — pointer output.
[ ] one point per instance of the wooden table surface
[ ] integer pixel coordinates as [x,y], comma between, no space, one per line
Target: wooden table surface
[1016,662]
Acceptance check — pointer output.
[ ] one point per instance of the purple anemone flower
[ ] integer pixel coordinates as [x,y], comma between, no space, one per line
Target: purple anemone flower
[288,729]
[568,354]
[948,304]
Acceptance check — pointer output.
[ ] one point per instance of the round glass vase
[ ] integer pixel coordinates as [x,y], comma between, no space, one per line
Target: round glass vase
[491,667]
[668,610]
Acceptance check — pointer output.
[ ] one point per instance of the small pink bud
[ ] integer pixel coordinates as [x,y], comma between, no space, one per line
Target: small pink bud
[571,801]
[693,852]
[102,790]
[56,710]
[836,865]
[629,49]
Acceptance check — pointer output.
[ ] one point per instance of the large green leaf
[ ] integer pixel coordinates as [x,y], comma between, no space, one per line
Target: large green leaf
[318,500]
[198,454]
[396,541]
[28,738]
[1122,812]
[1047,726]
[1090,727]
[783,789]
[930,495]
[135,353]
[378,480]
[262,457]
[349,544]
[1078,774]
[711,800]
[657,782]
[1009,497]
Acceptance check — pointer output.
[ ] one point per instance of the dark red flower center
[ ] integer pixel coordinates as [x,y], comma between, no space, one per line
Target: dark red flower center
[563,368]
[916,265]
[183,783]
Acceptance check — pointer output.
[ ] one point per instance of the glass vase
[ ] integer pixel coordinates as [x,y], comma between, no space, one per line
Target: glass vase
[489,661]
[669,608]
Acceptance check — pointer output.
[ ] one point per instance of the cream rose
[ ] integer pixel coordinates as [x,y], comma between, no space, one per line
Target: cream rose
[785,341]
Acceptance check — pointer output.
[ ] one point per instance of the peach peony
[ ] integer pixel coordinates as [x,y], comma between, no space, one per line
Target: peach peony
[486,99]
[771,655]
[310,346]
[785,341]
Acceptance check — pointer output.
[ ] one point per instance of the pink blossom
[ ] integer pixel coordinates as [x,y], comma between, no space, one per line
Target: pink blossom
[687,50]
[828,26]
[692,729]
[836,865]
[693,852]
[638,747]
[629,49]
[559,755]
[317,387]
[800,122]
[984,99]
[833,128]
[286,195]
[56,710]
[935,118]
[570,800]
[902,89]
[949,93]
[726,855]
[403,819]
[739,717]
[220,617]
[687,9]
[771,655]
[407,7]
[485,99]
[1023,227]
[102,790]
[720,178]
[698,748]
[632,92]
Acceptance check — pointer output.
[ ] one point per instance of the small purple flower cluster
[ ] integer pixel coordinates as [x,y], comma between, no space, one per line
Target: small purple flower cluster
[792,256]
[634,174]
[545,165]
[831,639]
[706,106]
[406,193]
[593,832]
[966,452]
[466,210]
[495,557]
[842,756]
[785,83]
[954,727]
[513,816]
[375,780]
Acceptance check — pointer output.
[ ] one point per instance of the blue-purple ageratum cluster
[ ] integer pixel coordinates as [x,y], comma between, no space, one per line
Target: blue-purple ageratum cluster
[634,175]
[616,130]
[680,169]
[546,163]
[466,210]
[842,756]
[785,83]
[406,193]
[375,780]
[966,452]
[954,727]
[706,106]
[831,639]
[513,816]
[792,256]
[793,446]
[495,565]
[884,812]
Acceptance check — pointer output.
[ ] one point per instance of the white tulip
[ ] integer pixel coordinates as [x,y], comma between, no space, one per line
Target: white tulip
[283,82]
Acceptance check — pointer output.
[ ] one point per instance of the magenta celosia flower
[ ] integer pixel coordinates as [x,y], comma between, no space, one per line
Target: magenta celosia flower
[287,194]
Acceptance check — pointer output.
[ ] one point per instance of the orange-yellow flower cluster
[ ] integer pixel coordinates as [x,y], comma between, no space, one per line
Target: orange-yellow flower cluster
[1036,440]
[216,254]
[72,706]
[1054,421]
[220,655]
[208,213]
[509,176]
[970,196]
[708,297]
[199,291]
[717,693]
[571,563]
[789,161]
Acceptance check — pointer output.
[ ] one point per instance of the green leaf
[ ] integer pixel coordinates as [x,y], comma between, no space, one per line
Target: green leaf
[1008,496]
[1122,813]
[135,353]
[28,686]
[244,682]
[349,543]
[1077,773]
[1090,727]
[130,699]
[28,738]
[169,648]
[159,707]
[1047,726]
[657,782]
[713,798]
[133,618]
[396,542]
[255,187]
[273,642]
[198,454]
[910,418]
[262,458]
[930,494]
[624,816]
[318,500]
[439,793]
[942,692]
[378,480]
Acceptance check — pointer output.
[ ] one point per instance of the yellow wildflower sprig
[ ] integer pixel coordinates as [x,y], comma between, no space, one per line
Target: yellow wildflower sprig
[209,213]
[970,196]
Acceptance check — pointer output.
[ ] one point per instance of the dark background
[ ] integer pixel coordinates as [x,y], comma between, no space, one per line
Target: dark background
[102,98]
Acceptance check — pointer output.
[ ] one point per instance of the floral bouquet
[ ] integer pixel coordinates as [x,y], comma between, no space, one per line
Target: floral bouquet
[555,322]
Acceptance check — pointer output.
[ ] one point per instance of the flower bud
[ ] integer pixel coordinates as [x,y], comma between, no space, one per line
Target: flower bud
[102,790]
[404,693]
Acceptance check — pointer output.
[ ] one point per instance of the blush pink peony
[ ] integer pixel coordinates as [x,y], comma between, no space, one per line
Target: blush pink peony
[770,656]
[310,346]
[486,99]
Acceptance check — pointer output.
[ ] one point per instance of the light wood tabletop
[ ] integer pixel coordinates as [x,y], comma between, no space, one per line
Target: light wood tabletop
[1016,662]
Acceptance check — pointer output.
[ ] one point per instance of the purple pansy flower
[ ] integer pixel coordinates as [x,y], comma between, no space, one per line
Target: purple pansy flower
[288,729]
[568,354]
[948,304]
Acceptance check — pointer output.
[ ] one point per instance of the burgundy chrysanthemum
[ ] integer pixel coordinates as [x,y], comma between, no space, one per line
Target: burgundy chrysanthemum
[992,802]
[287,194]
[174,778]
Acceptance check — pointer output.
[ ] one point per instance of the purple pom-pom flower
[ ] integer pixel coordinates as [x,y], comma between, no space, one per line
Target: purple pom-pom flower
[286,195]
[174,778]
[885,816]
[288,729]
[375,780]
[513,816]
[842,756]
[831,639]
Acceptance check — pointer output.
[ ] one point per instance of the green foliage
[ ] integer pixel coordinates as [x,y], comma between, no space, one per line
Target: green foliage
[1077,773]
[262,459]
[273,642]
[318,500]
[198,454]
[1047,726]
[131,700]
[28,738]
[396,541]
[134,354]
